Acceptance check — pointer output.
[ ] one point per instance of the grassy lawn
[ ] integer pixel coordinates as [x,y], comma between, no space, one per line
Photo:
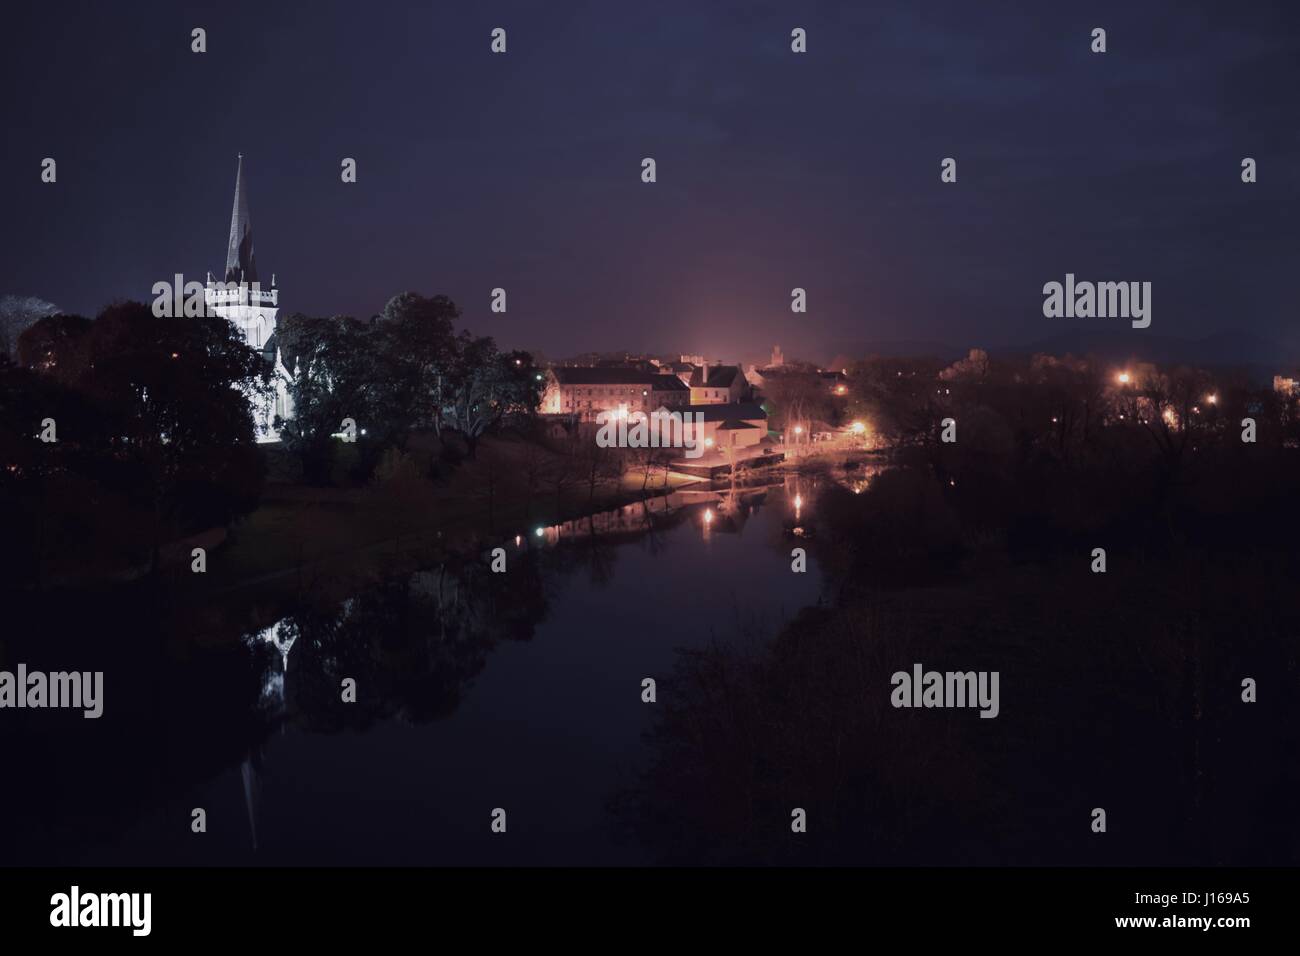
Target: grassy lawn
[510,486]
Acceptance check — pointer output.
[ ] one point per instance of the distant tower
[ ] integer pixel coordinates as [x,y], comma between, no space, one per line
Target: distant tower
[777,357]
[240,298]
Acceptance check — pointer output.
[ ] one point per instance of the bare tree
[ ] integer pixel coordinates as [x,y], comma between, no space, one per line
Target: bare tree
[488,488]
[647,460]
[597,467]
[561,473]
[532,468]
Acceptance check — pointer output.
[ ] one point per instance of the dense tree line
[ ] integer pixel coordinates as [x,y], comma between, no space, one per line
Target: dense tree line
[406,369]
[122,433]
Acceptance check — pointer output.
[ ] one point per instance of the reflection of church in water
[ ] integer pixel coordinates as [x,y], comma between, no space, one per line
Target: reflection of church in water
[273,703]
[240,298]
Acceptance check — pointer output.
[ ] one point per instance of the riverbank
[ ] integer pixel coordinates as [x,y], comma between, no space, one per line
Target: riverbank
[332,538]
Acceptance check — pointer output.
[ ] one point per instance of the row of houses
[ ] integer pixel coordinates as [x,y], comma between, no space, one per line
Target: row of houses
[726,396]
[588,390]
[720,393]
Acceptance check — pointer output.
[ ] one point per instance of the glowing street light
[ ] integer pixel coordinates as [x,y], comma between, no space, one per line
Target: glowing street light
[1213,399]
[1123,378]
[859,428]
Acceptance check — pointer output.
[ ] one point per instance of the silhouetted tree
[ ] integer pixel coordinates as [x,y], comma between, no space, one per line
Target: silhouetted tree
[335,377]
[485,388]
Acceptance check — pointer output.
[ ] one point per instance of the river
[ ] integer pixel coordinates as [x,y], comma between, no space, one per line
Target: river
[475,692]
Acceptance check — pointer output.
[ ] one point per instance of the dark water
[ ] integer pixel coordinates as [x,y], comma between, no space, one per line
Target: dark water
[475,691]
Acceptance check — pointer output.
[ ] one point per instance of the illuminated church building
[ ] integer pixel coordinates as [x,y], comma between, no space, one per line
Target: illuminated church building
[240,299]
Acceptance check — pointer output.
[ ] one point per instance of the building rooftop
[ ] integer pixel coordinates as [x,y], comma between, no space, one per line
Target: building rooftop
[585,375]
[667,383]
[739,412]
[720,376]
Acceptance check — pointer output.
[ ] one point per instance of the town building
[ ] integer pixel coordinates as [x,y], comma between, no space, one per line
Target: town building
[717,385]
[584,392]
[683,370]
[733,425]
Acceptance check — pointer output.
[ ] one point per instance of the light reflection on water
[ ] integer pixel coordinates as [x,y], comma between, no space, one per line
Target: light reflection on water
[477,690]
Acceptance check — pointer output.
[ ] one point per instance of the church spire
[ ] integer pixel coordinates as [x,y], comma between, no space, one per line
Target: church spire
[240,264]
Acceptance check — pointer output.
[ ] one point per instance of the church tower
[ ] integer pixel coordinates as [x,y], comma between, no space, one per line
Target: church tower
[240,299]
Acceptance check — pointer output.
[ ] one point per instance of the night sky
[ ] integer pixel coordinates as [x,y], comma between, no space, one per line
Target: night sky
[775,169]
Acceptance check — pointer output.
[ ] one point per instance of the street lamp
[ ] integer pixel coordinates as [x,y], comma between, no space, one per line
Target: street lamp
[1123,378]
